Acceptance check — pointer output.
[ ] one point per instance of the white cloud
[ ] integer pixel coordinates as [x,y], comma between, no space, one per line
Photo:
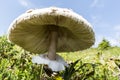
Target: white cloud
[25,3]
[117,28]
[99,24]
[94,3]
[105,30]
[94,19]
[117,35]
[113,41]
[97,3]
[98,40]
[117,31]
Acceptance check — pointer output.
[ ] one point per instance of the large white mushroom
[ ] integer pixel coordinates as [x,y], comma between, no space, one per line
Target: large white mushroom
[50,30]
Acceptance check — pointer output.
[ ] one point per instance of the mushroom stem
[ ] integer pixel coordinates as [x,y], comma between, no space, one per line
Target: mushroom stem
[52,45]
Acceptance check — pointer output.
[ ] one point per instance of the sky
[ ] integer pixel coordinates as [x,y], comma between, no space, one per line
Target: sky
[104,15]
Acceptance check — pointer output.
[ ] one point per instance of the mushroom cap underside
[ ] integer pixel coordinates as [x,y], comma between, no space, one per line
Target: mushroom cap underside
[32,30]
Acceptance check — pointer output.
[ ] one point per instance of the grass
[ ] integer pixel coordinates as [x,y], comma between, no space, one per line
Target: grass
[93,64]
[89,55]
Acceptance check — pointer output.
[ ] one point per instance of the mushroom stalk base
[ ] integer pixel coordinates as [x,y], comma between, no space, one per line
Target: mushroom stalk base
[56,65]
[52,45]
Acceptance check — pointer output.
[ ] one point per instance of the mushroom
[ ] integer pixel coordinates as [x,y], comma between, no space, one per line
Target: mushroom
[51,30]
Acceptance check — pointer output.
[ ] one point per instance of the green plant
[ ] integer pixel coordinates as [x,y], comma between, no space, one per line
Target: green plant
[15,64]
[104,45]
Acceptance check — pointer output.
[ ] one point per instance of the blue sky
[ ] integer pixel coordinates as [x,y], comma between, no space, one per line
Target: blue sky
[104,15]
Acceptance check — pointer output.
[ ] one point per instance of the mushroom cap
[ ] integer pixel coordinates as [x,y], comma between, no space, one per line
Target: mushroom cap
[32,30]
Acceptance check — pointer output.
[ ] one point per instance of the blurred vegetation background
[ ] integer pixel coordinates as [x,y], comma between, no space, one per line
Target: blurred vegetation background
[101,63]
